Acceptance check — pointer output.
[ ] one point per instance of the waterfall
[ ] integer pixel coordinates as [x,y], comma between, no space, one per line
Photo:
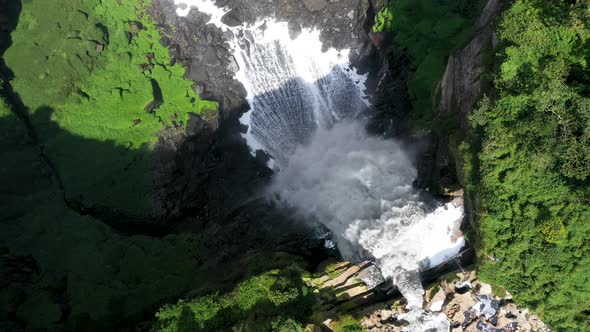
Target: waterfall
[360,187]
[293,87]
[303,103]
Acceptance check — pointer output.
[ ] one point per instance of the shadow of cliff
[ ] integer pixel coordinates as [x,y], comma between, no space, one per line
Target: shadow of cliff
[9,16]
[218,200]
[255,228]
[99,150]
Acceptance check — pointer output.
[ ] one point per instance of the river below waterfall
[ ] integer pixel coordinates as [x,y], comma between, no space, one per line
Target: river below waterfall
[304,107]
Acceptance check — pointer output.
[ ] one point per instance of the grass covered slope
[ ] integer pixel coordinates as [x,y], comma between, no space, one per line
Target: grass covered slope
[277,301]
[63,271]
[533,144]
[97,68]
[88,122]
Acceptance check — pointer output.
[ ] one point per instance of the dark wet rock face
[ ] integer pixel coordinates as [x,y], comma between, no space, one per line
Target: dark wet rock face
[207,182]
[204,176]
[208,172]
[205,53]
[463,84]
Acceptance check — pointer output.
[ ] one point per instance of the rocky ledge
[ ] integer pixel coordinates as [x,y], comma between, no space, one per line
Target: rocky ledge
[358,290]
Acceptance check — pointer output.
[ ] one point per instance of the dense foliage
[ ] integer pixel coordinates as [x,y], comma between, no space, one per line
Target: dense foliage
[532,168]
[429,31]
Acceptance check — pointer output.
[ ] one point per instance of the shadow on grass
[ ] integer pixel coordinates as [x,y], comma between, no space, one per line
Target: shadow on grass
[32,190]
[287,297]
[9,16]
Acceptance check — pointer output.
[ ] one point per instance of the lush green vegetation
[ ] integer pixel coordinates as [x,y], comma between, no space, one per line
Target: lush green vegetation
[429,31]
[532,163]
[275,301]
[84,72]
[98,70]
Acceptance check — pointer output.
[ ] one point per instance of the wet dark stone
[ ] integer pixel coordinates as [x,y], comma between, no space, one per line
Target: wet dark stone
[469,318]
[494,320]
[462,288]
[233,18]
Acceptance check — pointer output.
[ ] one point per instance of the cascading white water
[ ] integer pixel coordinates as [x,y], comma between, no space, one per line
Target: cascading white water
[360,187]
[293,87]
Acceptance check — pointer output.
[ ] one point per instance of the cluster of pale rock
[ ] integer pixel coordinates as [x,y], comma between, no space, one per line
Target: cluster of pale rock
[469,304]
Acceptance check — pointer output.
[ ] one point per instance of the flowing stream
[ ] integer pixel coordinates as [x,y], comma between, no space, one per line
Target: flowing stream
[303,107]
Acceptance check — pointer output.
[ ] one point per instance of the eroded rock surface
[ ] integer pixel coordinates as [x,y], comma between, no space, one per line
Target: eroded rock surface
[462,84]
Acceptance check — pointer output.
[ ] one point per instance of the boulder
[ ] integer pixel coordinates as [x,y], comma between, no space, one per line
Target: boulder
[462,287]
[326,325]
[233,18]
[371,276]
[342,278]
[197,72]
[351,292]
[294,29]
[386,316]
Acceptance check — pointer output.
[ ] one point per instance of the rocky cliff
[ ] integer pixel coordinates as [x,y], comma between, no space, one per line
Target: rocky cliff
[463,84]
[464,80]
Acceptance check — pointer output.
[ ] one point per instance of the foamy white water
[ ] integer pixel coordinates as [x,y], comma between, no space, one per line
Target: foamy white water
[360,187]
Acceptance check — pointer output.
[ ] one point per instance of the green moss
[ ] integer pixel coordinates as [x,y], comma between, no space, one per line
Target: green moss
[434,288]
[93,64]
[429,31]
[499,291]
[383,20]
[347,323]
